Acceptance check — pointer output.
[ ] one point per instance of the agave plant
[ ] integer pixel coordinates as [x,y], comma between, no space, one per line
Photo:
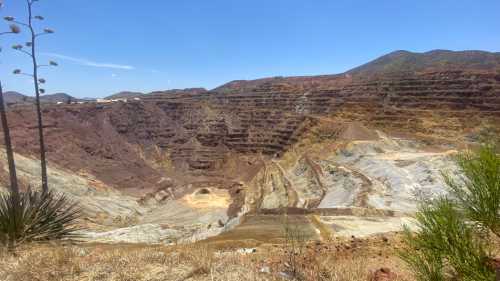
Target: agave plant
[36,216]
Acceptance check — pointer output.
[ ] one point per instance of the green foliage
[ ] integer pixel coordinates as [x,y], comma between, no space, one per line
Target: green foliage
[453,239]
[426,264]
[478,190]
[445,245]
[36,216]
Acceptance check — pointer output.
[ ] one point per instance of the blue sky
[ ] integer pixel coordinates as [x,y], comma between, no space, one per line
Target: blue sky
[105,46]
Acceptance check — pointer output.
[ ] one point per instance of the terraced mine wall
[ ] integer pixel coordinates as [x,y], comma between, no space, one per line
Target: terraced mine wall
[224,136]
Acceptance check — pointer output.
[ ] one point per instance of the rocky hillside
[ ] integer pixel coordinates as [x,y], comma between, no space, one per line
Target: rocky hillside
[436,60]
[124,95]
[130,95]
[58,97]
[322,143]
[15,98]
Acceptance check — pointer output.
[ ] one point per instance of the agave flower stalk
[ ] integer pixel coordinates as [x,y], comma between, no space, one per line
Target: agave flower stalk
[14,187]
[36,80]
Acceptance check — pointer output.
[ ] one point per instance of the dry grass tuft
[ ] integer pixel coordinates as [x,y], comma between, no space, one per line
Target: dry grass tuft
[195,262]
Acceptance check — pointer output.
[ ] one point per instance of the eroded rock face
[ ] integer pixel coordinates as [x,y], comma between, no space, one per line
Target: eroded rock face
[319,143]
[98,200]
[147,233]
[389,174]
[379,174]
[109,215]
[227,136]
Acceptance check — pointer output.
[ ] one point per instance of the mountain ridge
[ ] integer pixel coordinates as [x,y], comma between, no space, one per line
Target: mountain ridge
[124,95]
[399,61]
[13,97]
[438,59]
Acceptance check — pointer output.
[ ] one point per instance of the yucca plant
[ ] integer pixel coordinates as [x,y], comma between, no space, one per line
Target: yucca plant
[36,216]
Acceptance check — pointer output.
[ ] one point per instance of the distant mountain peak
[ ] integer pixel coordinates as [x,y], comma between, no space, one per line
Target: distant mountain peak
[12,97]
[439,59]
[124,95]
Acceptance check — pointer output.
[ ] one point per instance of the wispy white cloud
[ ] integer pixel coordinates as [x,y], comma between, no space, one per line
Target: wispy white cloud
[86,62]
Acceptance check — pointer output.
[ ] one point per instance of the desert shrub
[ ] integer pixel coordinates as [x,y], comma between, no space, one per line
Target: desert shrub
[478,189]
[294,245]
[445,247]
[426,264]
[453,241]
[36,216]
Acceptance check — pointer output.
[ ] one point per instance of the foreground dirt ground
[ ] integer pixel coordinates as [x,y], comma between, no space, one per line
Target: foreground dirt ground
[373,258]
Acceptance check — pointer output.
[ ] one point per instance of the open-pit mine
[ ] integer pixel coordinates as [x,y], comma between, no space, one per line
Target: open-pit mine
[347,154]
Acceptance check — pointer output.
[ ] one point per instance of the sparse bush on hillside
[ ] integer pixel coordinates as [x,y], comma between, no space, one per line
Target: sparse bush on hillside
[478,190]
[36,216]
[453,241]
[445,247]
[294,245]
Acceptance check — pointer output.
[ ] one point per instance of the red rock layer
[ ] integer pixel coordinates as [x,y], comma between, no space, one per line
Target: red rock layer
[224,135]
